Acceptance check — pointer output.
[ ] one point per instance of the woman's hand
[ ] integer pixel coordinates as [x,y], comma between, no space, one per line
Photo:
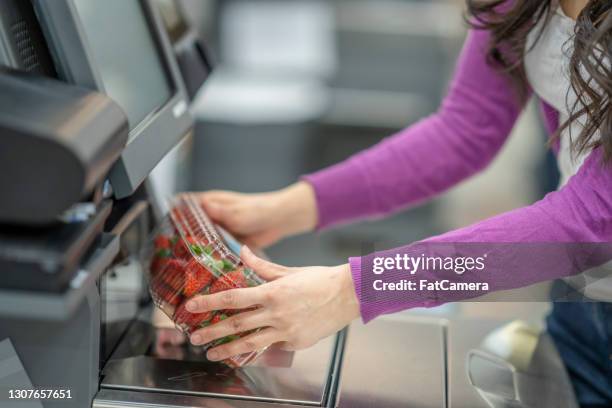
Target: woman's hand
[260,220]
[297,308]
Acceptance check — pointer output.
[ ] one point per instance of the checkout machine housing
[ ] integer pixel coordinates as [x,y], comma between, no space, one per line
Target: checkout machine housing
[56,330]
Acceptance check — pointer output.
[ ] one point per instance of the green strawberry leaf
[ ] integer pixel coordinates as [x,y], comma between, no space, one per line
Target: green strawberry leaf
[228,339]
[218,265]
[196,249]
[226,265]
[164,253]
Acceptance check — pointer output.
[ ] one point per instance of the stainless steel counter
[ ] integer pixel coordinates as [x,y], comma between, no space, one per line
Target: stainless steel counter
[291,378]
[389,363]
[403,360]
[109,398]
[463,335]
[394,363]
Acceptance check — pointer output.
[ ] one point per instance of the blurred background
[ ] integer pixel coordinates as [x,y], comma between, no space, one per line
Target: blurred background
[302,84]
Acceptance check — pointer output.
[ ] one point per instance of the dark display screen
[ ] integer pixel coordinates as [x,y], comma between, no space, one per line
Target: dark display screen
[125,55]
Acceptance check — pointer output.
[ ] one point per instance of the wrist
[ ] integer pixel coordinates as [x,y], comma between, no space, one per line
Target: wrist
[348,294]
[298,205]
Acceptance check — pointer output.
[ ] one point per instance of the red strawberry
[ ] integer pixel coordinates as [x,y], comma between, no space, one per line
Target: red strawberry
[180,250]
[184,247]
[231,280]
[160,261]
[197,277]
[192,320]
[173,274]
[162,242]
[165,292]
[218,317]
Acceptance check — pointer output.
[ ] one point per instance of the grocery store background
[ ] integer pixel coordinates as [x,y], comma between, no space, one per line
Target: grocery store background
[302,84]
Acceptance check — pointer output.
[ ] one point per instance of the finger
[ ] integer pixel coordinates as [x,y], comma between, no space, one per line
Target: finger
[216,210]
[233,325]
[252,342]
[220,205]
[266,269]
[262,240]
[229,216]
[219,196]
[230,299]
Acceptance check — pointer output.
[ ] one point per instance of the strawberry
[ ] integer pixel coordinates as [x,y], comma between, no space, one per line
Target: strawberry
[183,248]
[197,277]
[218,317]
[160,260]
[165,292]
[192,320]
[157,264]
[180,250]
[231,280]
[173,274]
[162,242]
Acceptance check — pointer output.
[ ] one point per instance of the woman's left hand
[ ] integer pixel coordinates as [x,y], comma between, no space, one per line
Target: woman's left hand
[297,308]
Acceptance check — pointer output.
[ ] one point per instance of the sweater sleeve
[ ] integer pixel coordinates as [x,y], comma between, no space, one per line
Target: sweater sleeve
[431,156]
[556,237]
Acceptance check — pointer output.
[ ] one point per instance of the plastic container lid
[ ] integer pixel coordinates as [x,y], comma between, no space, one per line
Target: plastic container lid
[189,256]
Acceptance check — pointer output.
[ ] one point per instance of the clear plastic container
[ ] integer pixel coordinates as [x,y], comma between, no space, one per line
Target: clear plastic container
[189,256]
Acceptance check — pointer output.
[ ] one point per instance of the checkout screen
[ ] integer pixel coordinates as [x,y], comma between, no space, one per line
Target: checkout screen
[126,55]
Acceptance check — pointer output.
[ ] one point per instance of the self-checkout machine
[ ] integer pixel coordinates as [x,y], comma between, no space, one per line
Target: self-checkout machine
[92,99]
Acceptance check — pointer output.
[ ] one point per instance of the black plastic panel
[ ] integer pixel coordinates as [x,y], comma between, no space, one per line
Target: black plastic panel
[23,43]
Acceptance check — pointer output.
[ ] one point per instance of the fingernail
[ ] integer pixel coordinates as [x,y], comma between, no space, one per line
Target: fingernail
[191,306]
[196,339]
[212,355]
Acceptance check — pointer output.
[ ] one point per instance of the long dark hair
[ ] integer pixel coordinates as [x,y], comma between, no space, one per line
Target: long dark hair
[590,63]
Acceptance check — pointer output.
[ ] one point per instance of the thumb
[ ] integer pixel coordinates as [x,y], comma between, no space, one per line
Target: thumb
[267,270]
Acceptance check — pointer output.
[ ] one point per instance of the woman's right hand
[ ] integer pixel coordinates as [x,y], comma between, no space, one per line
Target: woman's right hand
[260,220]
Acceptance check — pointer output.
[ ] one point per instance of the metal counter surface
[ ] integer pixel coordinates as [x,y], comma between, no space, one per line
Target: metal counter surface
[278,376]
[394,362]
[388,363]
[109,398]
[463,335]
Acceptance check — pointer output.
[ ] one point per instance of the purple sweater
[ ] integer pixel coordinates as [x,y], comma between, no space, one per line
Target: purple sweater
[445,148]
